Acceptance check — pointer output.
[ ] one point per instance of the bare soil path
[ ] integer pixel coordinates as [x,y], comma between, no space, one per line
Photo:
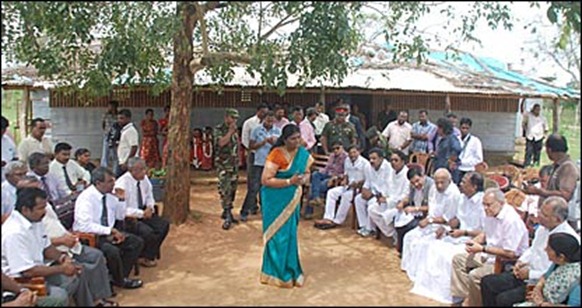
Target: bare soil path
[203,265]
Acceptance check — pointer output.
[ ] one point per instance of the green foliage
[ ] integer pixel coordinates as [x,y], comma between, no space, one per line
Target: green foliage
[566,14]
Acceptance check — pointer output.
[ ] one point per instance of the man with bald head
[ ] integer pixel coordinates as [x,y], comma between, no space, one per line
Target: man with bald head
[504,235]
[443,200]
[508,288]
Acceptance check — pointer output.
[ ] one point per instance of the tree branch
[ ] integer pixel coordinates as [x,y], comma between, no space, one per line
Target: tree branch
[215,57]
[559,63]
[212,5]
[200,12]
[280,24]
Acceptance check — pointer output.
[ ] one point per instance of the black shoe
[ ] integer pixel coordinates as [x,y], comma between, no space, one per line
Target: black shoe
[255,211]
[230,217]
[226,225]
[243,218]
[130,283]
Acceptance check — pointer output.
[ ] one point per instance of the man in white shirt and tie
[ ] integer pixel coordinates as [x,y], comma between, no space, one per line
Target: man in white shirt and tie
[96,211]
[508,288]
[471,150]
[69,173]
[141,218]
[375,186]
[355,168]
[38,164]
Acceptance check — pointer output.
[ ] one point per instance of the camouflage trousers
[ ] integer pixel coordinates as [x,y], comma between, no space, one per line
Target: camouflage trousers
[227,182]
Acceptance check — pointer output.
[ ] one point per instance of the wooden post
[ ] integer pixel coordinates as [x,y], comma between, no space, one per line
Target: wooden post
[23,113]
[556,115]
[322,96]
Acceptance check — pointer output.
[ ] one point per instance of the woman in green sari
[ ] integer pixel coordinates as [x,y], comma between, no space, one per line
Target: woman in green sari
[286,169]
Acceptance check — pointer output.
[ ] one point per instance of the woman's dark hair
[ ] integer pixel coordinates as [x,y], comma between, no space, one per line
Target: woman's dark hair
[445,125]
[565,244]
[557,143]
[26,197]
[80,152]
[288,131]
[414,170]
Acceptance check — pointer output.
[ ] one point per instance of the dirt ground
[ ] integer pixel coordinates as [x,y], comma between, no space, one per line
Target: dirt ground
[203,265]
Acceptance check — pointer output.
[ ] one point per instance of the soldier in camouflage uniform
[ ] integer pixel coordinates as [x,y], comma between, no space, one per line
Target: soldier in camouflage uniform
[338,129]
[226,161]
[377,140]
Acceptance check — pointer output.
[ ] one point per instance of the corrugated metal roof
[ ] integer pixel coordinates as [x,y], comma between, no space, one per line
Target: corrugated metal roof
[373,69]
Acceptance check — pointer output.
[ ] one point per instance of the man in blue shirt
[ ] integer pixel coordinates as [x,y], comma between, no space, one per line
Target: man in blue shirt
[423,132]
[262,139]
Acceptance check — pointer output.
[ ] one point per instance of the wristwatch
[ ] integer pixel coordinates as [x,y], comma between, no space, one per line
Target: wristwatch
[430,220]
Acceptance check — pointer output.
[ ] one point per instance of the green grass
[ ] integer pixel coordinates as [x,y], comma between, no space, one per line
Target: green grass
[10,102]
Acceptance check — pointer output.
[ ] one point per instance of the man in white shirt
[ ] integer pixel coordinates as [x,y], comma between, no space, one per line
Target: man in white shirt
[321,119]
[504,235]
[398,133]
[355,168]
[26,248]
[15,171]
[443,200]
[69,173]
[535,127]
[38,164]
[471,150]
[508,288]
[90,258]
[128,142]
[382,214]
[434,281]
[375,186]
[139,202]
[96,211]
[247,128]
[8,146]
[36,141]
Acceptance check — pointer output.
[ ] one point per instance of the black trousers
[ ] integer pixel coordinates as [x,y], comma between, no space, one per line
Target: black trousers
[153,231]
[533,149]
[502,290]
[401,231]
[253,188]
[121,257]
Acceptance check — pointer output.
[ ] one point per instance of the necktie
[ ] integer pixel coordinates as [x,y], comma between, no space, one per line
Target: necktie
[140,204]
[68,179]
[104,220]
[45,188]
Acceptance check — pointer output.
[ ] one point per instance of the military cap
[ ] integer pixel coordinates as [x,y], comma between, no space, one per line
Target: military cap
[232,112]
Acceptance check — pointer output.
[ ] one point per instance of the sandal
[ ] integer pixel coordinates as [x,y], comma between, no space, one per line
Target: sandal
[107,303]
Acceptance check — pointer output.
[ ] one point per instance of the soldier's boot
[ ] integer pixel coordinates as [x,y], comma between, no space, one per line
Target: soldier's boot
[228,221]
[223,216]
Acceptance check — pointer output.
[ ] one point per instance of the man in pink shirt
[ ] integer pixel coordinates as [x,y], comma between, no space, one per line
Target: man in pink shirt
[305,125]
[280,119]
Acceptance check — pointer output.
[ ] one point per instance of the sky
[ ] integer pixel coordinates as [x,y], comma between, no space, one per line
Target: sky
[509,46]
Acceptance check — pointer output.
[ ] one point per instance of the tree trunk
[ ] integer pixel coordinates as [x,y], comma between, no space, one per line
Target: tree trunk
[177,197]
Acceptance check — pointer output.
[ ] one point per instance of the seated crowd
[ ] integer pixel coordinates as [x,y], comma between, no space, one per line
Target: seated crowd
[422,186]
[73,232]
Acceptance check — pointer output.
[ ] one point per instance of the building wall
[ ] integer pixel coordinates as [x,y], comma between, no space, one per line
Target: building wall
[494,119]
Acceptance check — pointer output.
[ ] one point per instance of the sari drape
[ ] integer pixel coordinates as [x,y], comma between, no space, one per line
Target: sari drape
[281,266]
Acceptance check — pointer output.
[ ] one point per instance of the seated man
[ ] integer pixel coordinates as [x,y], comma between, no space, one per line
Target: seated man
[90,258]
[26,247]
[68,172]
[508,288]
[96,210]
[15,170]
[505,235]
[443,201]
[355,167]
[375,186]
[139,201]
[435,281]
[38,164]
[382,214]
[413,207]
[322,180]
